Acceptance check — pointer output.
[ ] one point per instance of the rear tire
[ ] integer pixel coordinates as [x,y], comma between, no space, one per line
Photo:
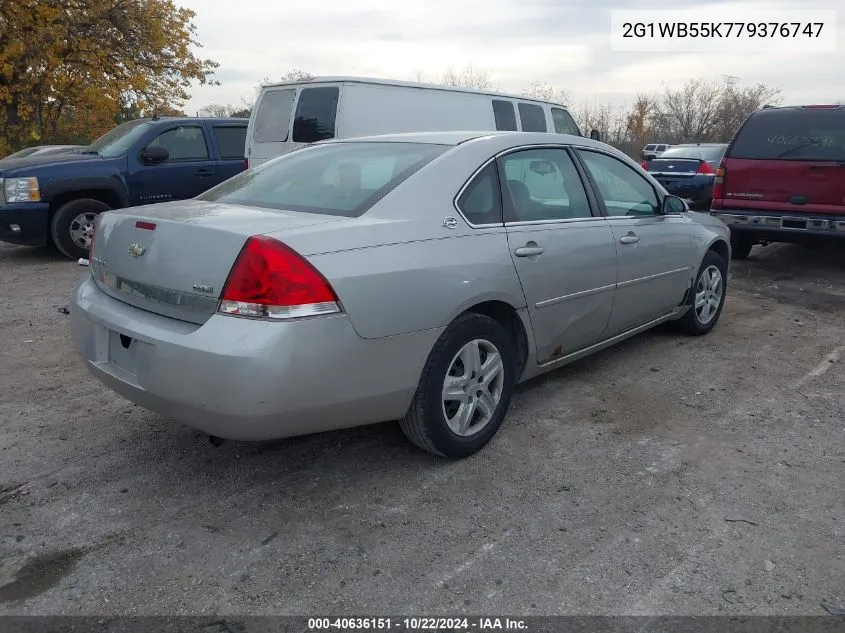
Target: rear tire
[465,388]
[741,245]
[710,287]
[72,226]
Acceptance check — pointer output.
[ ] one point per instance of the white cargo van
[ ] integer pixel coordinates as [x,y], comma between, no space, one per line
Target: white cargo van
[290,114]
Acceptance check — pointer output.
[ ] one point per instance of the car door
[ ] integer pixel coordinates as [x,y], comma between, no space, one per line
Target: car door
[187,171]
[653,250]
[563,250]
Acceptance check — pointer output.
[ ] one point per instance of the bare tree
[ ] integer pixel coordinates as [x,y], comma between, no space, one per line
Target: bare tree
[689,113]
[546,92]
[469,77]
[737,104]
[217,110]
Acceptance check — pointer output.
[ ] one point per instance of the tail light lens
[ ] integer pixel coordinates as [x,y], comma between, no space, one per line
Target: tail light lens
[246,163]
[272,281]
[719,185]
[645,165]
[704,168]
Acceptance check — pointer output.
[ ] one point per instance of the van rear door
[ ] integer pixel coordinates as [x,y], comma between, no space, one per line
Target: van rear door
[788,160]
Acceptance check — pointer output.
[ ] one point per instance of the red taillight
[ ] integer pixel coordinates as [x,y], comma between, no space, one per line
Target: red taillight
[704,168]
[147,226]
[834,106]
[719,185]
[270,280]
[645,165]
[246,163]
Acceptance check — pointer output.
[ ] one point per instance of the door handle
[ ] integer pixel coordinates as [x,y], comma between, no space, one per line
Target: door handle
[629,239]
[529,251]
[204,172]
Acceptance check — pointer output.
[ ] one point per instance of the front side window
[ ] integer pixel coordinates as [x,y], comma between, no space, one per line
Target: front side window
[341,179]
[186,142]
[543,184]
[273,116]
[533,118]
[564,123]
[623,190]
[315,115]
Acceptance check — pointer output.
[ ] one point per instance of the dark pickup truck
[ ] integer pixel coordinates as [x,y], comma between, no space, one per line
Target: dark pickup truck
[55,199]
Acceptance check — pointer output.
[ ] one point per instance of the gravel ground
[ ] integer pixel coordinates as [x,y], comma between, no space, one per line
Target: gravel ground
[669,475]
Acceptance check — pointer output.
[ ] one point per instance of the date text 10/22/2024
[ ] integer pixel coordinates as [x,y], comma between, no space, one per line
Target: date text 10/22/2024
[416,624]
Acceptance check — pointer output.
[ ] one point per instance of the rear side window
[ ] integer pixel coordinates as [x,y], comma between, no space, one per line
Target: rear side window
[564,123]
[650,148]
[792,134]
[231,140]
[480,202]
[315,114]
[340,179]
[273,116]
[533,118]
[505,115]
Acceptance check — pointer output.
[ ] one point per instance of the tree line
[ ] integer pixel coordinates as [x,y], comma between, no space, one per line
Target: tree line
[70,70]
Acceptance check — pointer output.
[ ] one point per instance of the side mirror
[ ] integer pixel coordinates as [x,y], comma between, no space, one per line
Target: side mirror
[595,135]
[154,154]
[673,204]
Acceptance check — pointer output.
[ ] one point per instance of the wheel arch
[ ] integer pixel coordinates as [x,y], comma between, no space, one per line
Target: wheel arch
[508,317]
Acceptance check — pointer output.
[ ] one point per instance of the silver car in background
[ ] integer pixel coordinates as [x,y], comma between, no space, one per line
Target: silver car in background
[413,277]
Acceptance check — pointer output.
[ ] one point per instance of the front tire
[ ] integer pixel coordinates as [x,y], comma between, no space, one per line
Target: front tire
[708,296]
[465,388]
[72,226]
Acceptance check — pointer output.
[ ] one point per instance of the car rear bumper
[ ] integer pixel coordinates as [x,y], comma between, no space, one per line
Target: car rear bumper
[246,379]
[24,223]
[782,225]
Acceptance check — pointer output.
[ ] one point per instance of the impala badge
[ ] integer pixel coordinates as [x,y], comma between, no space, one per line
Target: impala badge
[137,250]
[203,288]
[450,223]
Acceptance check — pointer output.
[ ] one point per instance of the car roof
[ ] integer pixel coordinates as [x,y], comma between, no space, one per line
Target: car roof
[501,139]
[699,145]
[409,84]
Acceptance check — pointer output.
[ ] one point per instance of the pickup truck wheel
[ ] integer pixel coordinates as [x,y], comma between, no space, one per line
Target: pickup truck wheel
[72,226]
[741,245]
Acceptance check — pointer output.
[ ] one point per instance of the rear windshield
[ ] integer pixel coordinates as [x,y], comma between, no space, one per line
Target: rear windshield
[793,134]
[341,179]
[707,153]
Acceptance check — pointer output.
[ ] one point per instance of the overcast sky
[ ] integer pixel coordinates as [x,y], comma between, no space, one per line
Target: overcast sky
[565,43]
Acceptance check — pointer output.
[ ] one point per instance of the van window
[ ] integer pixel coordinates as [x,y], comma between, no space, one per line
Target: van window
[792,134]
[231,139]
[315,114]
[273,117]
[564,123]
[505,115]
[533,118]
[340,179]
[650,148]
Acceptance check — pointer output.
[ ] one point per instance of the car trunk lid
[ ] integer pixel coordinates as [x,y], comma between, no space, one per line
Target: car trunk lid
[174,258]
[674,168]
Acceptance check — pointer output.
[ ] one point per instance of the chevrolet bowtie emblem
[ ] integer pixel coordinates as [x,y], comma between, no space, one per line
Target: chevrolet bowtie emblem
[137,250]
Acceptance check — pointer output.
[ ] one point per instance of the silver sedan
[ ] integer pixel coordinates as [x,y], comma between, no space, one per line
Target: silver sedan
[413,277]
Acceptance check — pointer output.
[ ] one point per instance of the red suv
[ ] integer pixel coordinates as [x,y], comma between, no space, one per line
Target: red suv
[782,177]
